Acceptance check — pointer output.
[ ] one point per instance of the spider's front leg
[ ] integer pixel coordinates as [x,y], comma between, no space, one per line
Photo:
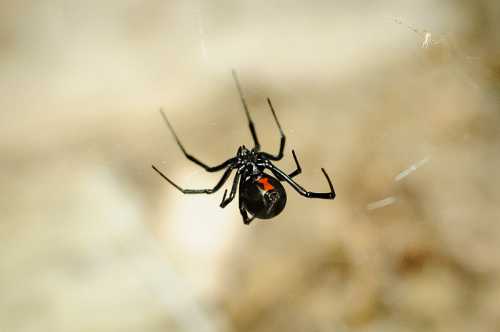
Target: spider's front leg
[191,157]
[279,156]
[251,125]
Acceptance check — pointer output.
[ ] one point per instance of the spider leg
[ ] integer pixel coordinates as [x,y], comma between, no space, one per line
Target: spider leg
[309,194]
[283,137]
[245,107]
[219,184]
[190,157]
[244,214]
[298,170]
[233,191]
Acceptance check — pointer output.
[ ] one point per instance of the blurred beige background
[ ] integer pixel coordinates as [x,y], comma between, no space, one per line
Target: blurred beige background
[406,122]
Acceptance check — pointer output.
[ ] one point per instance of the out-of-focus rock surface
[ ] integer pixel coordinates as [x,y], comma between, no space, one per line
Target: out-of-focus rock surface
[406,123]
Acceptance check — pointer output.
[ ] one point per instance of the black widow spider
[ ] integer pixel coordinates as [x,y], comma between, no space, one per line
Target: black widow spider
[261,194]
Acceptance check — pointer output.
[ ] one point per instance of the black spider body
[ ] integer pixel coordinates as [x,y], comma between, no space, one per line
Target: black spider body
[263,196]
[260,194]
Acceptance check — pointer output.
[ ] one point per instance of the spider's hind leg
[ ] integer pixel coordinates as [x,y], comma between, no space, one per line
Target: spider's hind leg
[233,191]
[244,215]
[309,194]
[298,170]
[243,211]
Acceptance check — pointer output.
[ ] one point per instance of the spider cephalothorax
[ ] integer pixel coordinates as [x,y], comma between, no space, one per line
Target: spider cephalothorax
[260,194]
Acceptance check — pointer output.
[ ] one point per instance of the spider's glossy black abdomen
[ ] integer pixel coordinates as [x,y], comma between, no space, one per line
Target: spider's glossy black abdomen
[264,196]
